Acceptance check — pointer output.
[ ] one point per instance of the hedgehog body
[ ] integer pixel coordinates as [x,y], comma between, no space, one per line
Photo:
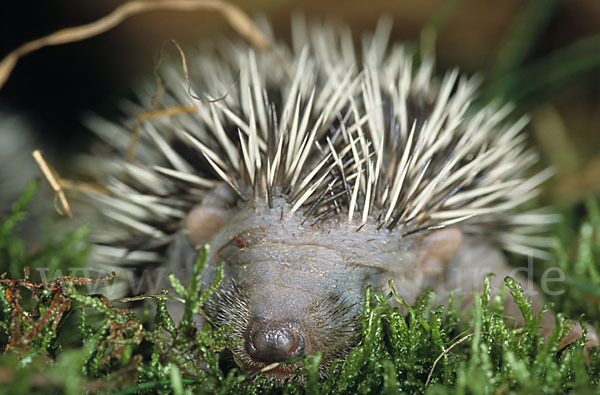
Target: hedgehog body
[322,171]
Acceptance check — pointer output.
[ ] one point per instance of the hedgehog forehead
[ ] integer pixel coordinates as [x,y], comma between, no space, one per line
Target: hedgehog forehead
[255,225]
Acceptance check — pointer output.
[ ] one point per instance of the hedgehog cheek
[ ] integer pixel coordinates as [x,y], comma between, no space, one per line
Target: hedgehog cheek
[203,222]
[436,249]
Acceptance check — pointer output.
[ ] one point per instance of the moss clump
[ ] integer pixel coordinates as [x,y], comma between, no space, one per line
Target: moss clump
[58,338]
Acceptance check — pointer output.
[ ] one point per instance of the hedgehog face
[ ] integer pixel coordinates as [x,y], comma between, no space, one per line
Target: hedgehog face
[293,289]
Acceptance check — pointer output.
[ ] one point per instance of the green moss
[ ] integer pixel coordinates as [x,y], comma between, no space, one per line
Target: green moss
[427,351]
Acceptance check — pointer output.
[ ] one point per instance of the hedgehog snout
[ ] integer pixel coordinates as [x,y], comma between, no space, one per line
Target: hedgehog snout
[270,342]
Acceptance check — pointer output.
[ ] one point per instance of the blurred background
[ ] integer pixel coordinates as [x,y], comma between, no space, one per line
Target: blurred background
[542,54]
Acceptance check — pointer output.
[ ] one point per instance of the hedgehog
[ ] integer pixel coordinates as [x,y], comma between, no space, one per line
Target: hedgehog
[322,171]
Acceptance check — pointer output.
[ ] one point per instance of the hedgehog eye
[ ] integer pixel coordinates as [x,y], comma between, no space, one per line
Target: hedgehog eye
[234,250]
[239,242]
[244,240]
[231,251]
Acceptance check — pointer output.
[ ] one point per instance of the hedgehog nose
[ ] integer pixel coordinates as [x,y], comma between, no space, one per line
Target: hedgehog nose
[274,342]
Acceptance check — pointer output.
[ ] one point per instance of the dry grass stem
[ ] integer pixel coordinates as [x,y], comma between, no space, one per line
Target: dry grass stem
[446,351]
[54,183]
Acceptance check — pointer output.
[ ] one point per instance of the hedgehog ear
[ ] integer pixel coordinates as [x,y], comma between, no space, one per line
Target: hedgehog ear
[203,222]
[437,249]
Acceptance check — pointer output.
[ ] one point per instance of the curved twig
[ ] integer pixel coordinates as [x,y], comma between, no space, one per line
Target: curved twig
[234,15]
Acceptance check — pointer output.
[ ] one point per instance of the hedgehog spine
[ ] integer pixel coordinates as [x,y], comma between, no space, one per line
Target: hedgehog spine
[339,139]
